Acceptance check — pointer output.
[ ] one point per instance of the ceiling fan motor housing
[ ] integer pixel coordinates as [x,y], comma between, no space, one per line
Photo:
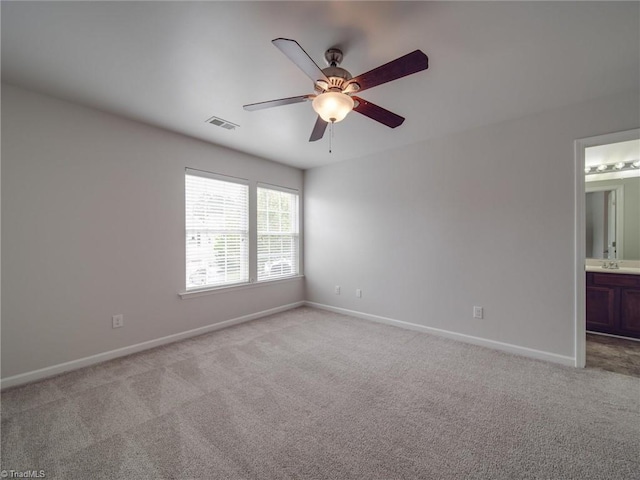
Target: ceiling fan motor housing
[337,77]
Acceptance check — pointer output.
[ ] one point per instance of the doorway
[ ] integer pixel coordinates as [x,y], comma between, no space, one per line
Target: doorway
[581,169]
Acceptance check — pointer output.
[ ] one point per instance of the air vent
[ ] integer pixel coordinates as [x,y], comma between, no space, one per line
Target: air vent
[219,122]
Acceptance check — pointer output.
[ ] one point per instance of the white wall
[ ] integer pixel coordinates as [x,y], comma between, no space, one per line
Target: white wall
[93,221]
[93,225]
[483,218]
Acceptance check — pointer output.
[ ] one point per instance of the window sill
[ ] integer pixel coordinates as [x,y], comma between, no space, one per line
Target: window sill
[232,288]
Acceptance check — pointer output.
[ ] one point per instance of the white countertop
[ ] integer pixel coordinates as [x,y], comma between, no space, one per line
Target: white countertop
[625,270]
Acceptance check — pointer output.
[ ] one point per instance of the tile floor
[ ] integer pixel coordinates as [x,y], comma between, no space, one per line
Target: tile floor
[613,354]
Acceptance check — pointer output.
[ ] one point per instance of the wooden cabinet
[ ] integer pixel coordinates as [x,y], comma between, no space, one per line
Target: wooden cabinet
[630,311]
[613,304]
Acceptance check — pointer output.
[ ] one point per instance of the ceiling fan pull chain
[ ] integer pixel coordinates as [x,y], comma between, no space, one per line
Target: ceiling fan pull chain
[331,138]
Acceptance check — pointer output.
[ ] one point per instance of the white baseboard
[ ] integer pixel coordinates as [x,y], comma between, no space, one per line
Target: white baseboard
[483,342]
[138,347]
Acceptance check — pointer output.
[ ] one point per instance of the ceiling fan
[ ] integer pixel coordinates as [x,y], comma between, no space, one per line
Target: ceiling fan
[335,87]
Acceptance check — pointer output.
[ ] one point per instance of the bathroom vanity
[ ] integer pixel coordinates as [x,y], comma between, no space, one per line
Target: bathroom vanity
[613,301]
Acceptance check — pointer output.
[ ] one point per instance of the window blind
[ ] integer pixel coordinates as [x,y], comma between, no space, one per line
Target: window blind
[278,233]
[217,230]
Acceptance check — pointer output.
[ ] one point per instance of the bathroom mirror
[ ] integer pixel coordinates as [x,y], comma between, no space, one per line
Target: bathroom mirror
[612,203]
[602,223]
[612,219]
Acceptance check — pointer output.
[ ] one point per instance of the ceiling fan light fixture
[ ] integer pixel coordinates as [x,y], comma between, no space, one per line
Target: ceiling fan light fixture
[333,86]
[333,106]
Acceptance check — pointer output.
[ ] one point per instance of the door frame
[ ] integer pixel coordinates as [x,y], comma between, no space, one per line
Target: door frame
[580,327]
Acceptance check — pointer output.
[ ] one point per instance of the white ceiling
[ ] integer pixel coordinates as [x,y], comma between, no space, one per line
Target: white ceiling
[175,64]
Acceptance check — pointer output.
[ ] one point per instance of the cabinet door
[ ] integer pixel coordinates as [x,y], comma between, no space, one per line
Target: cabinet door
[601,312]
[630,312]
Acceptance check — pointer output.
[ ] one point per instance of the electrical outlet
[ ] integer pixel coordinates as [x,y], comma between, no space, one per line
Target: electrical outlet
[117,321]
[337,289]
[478,312]
[358,293]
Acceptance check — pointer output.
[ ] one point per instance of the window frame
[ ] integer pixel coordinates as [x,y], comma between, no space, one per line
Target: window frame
[252,213]
[297,235]
[247,233]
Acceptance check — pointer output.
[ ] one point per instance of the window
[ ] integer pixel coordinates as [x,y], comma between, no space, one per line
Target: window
[217,230]
[277,233]
[223,245]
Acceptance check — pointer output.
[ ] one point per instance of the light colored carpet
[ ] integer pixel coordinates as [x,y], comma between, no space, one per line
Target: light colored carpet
[308,394]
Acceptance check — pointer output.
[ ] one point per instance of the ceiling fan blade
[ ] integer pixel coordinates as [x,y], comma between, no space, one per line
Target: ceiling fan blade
[413,62]
[297,55]
[318,129]
[377,113]
[276,103]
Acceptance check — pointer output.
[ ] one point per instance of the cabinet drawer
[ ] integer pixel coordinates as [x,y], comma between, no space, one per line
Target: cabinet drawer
[616,280]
